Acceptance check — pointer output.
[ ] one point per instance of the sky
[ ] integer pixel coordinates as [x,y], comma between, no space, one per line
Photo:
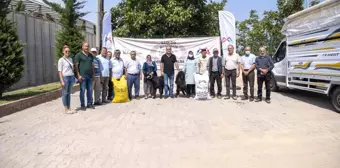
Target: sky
[240,8]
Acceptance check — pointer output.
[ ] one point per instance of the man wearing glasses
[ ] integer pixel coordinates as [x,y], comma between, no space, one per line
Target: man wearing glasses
[168,61]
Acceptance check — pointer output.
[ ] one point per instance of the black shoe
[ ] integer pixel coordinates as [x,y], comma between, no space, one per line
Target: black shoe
[245,98]
[227,97]
[97,104]
[251,99]
[258,100]
[82,109]
[166,97]
[188,96]
[146,97]
[172,97]
[219,96]
[154,97]
[212,96]
[234,97]
[91,106]
[267,101]
[137,97]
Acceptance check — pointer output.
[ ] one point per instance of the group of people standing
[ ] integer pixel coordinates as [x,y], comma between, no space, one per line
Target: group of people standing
[230,67]
[94,73]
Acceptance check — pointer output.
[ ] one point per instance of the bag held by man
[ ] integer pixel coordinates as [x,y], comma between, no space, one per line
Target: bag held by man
[202,86]
[121,90]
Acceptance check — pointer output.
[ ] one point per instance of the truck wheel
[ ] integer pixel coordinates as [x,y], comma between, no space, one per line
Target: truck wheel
[335,99]
[273,85]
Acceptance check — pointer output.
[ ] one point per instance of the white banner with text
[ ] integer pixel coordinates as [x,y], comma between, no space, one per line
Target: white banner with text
[156,47]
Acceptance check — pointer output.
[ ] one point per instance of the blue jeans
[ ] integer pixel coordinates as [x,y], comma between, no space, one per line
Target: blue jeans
[168,77]
[86,83]
[133,80]
[66,90]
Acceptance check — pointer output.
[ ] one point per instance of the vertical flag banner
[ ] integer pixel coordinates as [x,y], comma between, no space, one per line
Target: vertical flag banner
[227,30]
[107,40]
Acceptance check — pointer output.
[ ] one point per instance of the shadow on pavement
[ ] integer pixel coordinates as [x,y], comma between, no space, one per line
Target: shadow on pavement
[312,98]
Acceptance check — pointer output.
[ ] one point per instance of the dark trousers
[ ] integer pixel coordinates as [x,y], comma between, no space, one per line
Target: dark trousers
[110,92]
[266,79]
[250,78]
[215,76]
[230,75]
[190,89]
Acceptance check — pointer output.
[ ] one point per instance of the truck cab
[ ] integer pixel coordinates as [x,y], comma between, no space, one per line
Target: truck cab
[280,68]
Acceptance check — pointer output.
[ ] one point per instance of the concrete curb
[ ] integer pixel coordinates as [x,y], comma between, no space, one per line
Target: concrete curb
[23,104]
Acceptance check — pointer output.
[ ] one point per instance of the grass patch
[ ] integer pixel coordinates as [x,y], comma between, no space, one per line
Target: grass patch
[28,92]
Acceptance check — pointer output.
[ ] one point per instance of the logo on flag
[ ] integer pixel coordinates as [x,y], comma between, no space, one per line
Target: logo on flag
[224,39]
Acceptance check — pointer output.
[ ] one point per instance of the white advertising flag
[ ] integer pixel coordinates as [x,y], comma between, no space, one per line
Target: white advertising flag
[156,47]
[227,30]
[107,40]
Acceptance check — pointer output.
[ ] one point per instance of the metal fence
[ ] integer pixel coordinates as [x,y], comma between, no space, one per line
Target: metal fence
[39,37]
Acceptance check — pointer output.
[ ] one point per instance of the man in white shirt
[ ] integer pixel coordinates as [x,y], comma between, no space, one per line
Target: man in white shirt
[231,68]
[117,68]
[248,75]
[203,61]
[133,72]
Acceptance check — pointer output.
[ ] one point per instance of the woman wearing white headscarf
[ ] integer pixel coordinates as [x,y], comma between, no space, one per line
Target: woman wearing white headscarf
[190,68]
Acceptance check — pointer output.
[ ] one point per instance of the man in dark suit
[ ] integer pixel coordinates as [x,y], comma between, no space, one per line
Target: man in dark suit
[215,74]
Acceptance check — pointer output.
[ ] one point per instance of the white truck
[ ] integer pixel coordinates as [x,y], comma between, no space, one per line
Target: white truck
[309,58]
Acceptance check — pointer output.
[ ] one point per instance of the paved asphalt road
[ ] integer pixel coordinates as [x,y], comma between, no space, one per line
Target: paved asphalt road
[297,130]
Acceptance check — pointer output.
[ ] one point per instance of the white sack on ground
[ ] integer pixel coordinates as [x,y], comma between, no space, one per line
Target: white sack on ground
[202,86]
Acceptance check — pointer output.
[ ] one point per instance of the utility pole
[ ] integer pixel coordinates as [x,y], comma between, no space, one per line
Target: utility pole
[99,27]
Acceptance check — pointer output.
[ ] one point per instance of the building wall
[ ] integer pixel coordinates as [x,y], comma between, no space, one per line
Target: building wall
[39,37]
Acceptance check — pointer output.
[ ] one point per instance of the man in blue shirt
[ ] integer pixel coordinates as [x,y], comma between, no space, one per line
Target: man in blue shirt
[264,65]
[248,75]
[106,73]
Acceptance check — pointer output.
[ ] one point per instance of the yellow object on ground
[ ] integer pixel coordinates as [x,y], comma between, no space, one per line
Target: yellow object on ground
[121,94]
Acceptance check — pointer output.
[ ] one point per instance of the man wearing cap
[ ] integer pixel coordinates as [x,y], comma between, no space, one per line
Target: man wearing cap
[215,74]
[97,82]
[248,75]
[85,73]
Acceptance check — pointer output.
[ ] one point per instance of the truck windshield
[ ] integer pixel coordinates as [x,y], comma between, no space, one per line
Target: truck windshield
[280,53]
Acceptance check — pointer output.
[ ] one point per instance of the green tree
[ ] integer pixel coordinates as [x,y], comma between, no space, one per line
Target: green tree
[71,33]
[256,32]
[170,18]
[20,6]
[11,50]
